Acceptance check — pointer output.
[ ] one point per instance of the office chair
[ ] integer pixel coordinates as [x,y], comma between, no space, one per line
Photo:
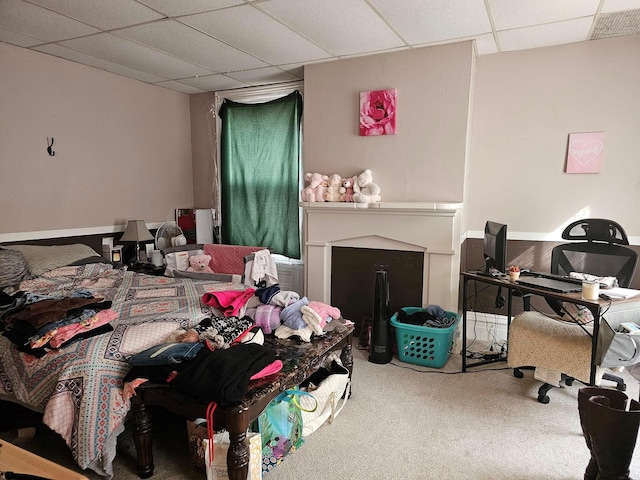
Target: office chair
[537,340]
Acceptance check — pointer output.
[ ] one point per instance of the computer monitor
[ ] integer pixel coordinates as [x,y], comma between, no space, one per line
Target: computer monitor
[495,247]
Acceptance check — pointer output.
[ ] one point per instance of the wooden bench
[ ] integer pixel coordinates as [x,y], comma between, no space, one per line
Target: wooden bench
[300,360]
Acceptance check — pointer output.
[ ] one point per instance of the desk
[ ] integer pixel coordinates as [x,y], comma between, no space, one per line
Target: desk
[300,360]
[596,308]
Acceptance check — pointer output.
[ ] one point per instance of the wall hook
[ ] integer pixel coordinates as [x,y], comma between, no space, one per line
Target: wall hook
[50,147]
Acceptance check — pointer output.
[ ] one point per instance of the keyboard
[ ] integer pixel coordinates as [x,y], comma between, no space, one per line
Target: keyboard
[490,274]
[563,278]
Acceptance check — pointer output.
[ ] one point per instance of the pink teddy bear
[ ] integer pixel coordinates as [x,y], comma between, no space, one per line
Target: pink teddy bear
[346,191]
[316,188]
[200,264]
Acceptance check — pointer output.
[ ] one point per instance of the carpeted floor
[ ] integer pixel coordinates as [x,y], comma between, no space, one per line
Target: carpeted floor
[407,422]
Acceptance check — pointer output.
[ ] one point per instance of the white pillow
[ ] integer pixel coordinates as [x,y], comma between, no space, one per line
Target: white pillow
[41,259]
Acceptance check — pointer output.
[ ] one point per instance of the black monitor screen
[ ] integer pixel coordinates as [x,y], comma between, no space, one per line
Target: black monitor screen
[495,247]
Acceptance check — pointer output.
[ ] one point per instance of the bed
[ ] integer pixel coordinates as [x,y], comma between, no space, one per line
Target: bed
[78,387]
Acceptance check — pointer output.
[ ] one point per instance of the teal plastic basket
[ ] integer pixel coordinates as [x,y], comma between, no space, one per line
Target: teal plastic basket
[426,346]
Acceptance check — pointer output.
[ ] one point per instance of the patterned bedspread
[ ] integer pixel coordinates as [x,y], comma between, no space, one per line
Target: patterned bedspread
[79,387]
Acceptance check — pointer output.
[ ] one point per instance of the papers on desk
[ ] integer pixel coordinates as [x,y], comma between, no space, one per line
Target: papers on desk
[618,292]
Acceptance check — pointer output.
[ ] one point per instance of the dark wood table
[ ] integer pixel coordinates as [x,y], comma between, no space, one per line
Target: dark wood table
[300,359]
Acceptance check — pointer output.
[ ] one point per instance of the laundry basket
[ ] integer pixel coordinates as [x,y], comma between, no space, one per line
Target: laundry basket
[420,345]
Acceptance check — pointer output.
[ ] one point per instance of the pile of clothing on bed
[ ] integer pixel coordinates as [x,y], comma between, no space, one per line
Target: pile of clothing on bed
[277,311]
[37,324]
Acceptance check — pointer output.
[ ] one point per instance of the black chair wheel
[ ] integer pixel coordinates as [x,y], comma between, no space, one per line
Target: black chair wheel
[518,373]
[569,381]
[622,387]
[544,399]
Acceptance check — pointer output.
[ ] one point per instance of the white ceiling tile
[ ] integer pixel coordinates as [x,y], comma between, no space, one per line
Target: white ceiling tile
[242,38]
[352,27]
[486,44]
[89,60]
[133,55]
[295,69]
[525,13]
[211,83]
[27,19]
[425,21]
[101,14]
[545,35]
[619,5]
[184,42]
[179,87]
[261,76]
[173,8]
[256,33]
[18,39]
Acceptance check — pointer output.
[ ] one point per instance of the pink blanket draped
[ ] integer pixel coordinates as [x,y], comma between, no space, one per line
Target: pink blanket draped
[230,301]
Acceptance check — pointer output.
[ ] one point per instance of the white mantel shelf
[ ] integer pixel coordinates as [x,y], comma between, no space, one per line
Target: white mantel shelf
[388,206]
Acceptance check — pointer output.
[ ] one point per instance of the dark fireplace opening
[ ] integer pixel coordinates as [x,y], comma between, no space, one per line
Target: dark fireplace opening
[353,275]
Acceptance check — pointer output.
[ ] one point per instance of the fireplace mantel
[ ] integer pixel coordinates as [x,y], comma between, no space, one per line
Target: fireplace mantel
[386,206]
[429,227]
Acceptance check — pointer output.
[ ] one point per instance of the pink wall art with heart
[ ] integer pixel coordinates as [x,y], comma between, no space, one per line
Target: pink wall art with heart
[585,152]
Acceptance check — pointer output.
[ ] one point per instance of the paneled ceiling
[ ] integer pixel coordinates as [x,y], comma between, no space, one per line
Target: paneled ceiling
[195,46]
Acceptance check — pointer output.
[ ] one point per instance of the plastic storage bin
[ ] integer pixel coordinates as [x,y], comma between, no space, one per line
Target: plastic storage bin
[426,346]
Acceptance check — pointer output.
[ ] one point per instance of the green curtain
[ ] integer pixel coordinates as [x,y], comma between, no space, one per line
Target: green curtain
[259,172]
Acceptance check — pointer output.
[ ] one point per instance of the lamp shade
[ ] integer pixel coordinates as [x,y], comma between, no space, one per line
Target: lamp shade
[136,231]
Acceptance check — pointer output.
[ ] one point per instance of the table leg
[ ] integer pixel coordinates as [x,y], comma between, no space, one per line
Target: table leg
[346,356]
[464,324]
[143,440]
[238,453]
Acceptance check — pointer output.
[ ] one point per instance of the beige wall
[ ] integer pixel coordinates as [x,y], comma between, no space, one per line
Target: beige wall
[526,104]
[202,141]
[123,148]
[425,161]
[137,138]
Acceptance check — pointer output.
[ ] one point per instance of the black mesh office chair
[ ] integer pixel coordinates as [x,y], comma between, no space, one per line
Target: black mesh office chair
[597,248]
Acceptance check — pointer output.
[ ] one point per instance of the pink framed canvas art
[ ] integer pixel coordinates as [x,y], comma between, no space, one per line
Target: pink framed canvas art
[585,152]
[378,112]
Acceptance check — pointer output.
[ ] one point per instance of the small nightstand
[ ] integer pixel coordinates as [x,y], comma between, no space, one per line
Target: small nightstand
[148,268]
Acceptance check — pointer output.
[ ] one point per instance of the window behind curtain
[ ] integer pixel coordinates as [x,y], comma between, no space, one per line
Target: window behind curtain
[259,172]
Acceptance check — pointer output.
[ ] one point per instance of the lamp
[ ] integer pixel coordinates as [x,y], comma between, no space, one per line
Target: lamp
[136,231]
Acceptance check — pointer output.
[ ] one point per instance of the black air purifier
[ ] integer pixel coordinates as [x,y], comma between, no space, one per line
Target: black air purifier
[380,347]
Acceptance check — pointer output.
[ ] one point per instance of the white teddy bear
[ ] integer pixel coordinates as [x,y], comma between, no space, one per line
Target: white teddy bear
[364,190]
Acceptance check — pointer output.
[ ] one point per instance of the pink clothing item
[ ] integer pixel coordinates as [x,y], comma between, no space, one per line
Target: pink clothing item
[66,333]
[129,388]
[270,369]
[228,301]
[326,312]
[267,317]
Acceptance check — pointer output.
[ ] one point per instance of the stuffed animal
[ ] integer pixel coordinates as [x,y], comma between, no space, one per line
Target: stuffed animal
[200,264]
[364,190]
[346,191]
[314,192]
[333,188]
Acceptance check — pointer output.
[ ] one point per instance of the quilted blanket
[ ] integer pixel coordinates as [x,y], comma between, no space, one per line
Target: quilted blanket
[79,387]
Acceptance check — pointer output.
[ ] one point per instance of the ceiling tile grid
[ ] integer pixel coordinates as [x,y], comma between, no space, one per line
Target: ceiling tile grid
[193,46]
